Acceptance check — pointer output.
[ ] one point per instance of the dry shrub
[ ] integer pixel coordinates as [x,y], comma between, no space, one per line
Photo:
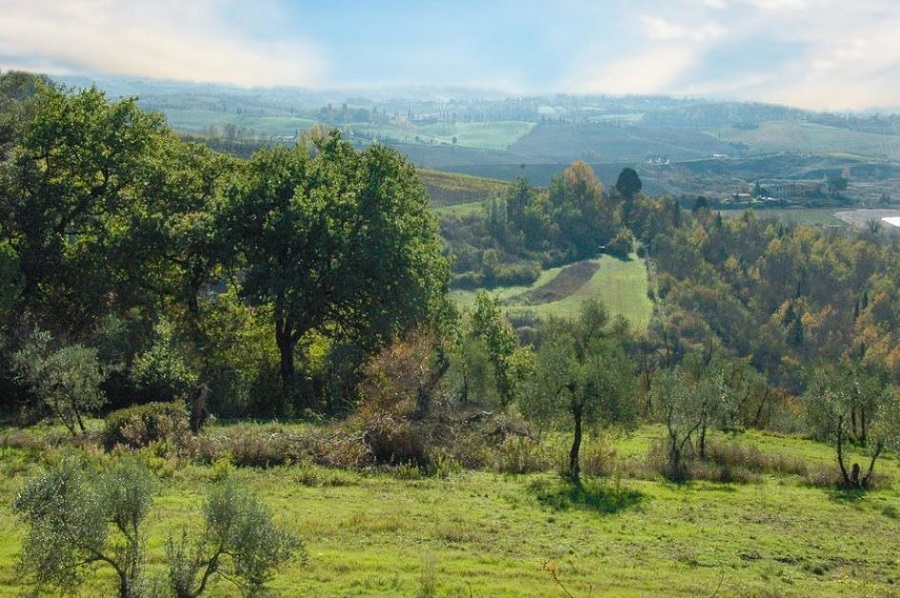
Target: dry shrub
[27,440]
[520,455]
[249,447]
[660,463]
[598,458]
[345,451]
[725,462]
[393,440]
[829,477]
[395,380]
[722,474]
[737,456]
[823,476]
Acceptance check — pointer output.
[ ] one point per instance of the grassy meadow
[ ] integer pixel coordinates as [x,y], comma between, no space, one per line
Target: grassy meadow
[621,285]
[394,532]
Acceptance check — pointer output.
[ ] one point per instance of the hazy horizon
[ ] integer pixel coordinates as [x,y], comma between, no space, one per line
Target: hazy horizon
[812,54]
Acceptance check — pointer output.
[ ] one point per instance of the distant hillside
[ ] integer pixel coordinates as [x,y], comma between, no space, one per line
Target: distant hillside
[594,142]
[680,146]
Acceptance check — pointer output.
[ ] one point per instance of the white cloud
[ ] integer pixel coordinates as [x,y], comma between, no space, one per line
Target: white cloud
[782,5]
[813,53]
[649,72]
[658,29]
[849,56]
[168,39]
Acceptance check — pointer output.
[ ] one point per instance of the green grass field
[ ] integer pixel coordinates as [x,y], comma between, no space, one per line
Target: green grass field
[807,216]
[798,135]
[480,533]
[621,285]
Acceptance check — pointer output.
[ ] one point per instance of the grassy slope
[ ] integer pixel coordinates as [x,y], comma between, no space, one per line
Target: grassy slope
[620,284]
[793,136]
[449,189]
[486,534]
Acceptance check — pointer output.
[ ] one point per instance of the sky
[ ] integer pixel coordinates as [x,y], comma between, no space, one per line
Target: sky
[814,54]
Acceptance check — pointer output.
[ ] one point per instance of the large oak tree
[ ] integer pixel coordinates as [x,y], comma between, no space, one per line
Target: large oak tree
[337,242]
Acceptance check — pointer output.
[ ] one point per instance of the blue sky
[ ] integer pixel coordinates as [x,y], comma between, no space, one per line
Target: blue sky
[817,54]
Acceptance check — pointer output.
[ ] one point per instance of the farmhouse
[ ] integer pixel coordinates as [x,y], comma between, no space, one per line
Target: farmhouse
[787,189]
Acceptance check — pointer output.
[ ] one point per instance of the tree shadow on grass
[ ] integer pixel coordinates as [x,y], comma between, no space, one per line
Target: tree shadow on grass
[599,496]
[846,496]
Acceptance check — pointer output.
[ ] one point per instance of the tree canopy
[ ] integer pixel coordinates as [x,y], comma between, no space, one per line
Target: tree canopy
[337,243]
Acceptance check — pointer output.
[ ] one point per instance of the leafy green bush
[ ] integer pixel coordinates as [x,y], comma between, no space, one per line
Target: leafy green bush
[141,425]
[509,275]
[621,245]
[467,281]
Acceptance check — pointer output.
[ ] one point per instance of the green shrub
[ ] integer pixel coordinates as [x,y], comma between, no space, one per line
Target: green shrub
[467,281]
[141,425]
[521,274]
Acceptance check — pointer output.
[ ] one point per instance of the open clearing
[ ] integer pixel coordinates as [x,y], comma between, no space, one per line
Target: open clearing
[621,285]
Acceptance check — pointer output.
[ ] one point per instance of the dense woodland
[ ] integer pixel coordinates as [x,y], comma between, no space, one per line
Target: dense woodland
[153,281]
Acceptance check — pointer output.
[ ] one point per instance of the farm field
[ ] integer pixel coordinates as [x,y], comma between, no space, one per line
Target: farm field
[495,135]
[862,218]
[813,138]
[621,285]
[611,143]
[484,533]
[807,216]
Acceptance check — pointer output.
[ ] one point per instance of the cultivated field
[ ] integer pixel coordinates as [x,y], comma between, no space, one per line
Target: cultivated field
[450,189]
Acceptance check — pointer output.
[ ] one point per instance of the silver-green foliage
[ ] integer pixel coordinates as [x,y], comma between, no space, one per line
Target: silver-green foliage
[847,405]
[78,516]
[689,399]
[582,375]
[240,543]
[66,381]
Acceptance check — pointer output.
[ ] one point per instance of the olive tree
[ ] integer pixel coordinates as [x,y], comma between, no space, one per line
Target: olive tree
[582,375]
[65,381]
[688,399]
[835,399]
[240,543]
[78,516]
